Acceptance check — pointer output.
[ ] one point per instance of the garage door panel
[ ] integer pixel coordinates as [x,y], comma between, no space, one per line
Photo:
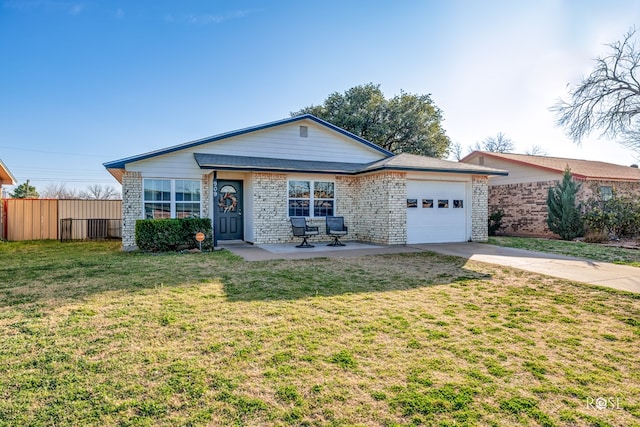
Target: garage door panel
[436,224]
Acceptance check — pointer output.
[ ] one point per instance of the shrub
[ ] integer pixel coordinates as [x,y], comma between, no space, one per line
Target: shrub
[617,217]
[495,222]
[564,215]
[166,234]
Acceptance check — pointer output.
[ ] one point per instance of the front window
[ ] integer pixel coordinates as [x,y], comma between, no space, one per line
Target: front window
[305,194]
[187,198]
[168,198]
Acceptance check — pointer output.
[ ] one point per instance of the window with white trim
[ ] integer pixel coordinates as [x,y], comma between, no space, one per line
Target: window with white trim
[171,198]
[311,198]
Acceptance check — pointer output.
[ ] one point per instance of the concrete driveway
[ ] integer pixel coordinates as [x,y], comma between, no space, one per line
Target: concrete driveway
[621,277]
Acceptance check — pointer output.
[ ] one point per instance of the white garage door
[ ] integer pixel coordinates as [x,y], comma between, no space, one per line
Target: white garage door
[436,212]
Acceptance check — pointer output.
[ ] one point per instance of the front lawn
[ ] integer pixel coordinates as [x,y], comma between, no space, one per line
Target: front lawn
[90,335]
[593,251]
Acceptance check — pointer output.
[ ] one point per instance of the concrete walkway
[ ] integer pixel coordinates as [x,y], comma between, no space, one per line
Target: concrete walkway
[619,277]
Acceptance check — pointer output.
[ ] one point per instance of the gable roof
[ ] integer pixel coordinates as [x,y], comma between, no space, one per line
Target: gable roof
[400,162]
[120,164]
[6,178]
[581,169]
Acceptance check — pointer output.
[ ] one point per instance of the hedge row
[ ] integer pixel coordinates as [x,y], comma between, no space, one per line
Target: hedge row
[159,235]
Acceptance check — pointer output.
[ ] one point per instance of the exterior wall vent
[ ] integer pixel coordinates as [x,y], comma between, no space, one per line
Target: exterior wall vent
[304,131]
[481,160]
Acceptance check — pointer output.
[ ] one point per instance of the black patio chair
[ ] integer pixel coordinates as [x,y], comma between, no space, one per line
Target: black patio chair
[301,229]
[336,229]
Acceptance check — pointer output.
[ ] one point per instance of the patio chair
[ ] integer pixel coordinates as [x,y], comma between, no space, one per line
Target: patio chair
[336,229]
[301,229]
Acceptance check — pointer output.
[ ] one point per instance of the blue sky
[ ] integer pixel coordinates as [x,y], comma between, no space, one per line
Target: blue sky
[85,82]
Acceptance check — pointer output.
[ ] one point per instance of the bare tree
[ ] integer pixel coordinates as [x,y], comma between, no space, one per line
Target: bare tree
[608,99]
[535,150]
[59,191]
[455,151]
[99,192]
[496,144]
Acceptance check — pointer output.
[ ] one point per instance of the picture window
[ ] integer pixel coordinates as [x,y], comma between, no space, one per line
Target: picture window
[171,198]
[304,194]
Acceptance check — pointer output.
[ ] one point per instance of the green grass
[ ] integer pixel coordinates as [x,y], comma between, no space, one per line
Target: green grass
[593,251]
[93,336]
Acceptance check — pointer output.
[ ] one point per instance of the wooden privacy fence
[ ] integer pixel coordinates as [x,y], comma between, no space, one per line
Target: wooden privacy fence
[41,219]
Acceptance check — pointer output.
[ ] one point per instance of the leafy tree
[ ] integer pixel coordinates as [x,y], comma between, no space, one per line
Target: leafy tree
[608,99]
[25,191]
[564,215]
[406,123]
[498,144]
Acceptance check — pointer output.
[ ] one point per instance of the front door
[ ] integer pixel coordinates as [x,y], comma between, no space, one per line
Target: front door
[229,210]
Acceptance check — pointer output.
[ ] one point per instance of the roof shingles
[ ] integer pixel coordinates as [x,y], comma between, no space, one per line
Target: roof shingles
[581,169]
[405,162]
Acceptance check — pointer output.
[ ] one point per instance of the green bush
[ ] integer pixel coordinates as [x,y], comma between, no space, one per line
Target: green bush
[160,235]
[618,217]
[564,214]
[495,222]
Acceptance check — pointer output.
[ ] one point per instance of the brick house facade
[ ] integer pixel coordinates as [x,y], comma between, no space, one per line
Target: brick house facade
[262,165]
[522,196]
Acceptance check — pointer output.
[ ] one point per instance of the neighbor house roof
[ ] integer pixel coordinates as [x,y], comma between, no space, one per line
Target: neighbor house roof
[400,162]
[120,164]
[6,178]
[581,169]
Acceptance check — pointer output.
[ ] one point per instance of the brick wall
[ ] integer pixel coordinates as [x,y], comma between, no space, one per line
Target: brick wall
[373,207]
[377,207]
[479,208]
[205,196]
[591,189]
[131,208]
[525,205]
[270,221]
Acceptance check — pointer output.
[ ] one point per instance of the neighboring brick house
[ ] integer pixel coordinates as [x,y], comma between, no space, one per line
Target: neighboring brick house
[6,178]
[251,181]
[522,195]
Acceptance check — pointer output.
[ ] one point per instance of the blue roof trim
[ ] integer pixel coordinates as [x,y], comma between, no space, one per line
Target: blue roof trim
[120,164]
